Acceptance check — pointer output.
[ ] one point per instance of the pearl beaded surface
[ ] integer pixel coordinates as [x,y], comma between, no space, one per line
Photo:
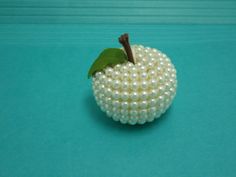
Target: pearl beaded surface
[137,93]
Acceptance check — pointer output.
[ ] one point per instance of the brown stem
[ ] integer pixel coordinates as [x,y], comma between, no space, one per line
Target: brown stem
[124,40]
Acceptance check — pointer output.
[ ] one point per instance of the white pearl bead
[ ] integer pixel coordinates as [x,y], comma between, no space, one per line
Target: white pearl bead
[150,64]
[133,112]
[155,50]
[133,121]
[116,104]
[169,70]
[152,73]
[173,76]
[94,79]
[153,60]
[160,99]
[116,84]
[150,55]
[153,102]
[162,106]
[117,67]
[99,102]
[133,69]
[103,78]
[153,93]
[150,119]
[143,69]
[152,110]
[167,85]
[116,94]
[95,92]
[167,94]
[167,75]
[102,107]
[172,90]
[152,114]
[144,60]
[144,95]
[134,96]
[144,75]
[109,114]
[116,117]
[130,65]
[134,105]
[124,112]
[125,85]
[161,59]
[105,106]
[116,74]
[144,115]
[134,85]
[109,71]
[161,89]
[167,101]
[159,70]
[101,87]
[141,120]
[144,85]
[134,76]
[123,119]
[153,83]
[136,93]
[140,56]
[157,115]
[125,75]
[161,79]
[125,105]
[101,96]
[125,96]
[141,46]
[98,74]
[143,104]
[108,92]
[138,65]
[109,82]
[124,69]
[97,82]
[108,100]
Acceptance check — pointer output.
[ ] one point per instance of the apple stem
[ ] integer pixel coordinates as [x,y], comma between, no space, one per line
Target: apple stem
[124,40]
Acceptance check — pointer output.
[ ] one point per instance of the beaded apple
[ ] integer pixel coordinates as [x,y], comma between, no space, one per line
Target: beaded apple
[135,85]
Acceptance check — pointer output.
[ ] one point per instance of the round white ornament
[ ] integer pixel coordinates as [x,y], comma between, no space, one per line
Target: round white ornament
[139,91]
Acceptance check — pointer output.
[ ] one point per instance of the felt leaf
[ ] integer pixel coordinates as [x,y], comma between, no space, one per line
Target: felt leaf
[108,57]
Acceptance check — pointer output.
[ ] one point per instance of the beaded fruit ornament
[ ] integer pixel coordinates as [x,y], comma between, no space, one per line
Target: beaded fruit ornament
[133,85]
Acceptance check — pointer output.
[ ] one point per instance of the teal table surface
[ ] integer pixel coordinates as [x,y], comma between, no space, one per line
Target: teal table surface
[50,125]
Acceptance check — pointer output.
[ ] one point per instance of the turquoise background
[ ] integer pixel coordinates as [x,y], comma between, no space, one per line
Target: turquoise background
[50,125]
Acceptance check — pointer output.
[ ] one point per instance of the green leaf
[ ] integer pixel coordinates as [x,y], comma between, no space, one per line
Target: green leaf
[108,57]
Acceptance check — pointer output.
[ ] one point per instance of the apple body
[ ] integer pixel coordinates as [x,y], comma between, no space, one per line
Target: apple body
[136,93]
